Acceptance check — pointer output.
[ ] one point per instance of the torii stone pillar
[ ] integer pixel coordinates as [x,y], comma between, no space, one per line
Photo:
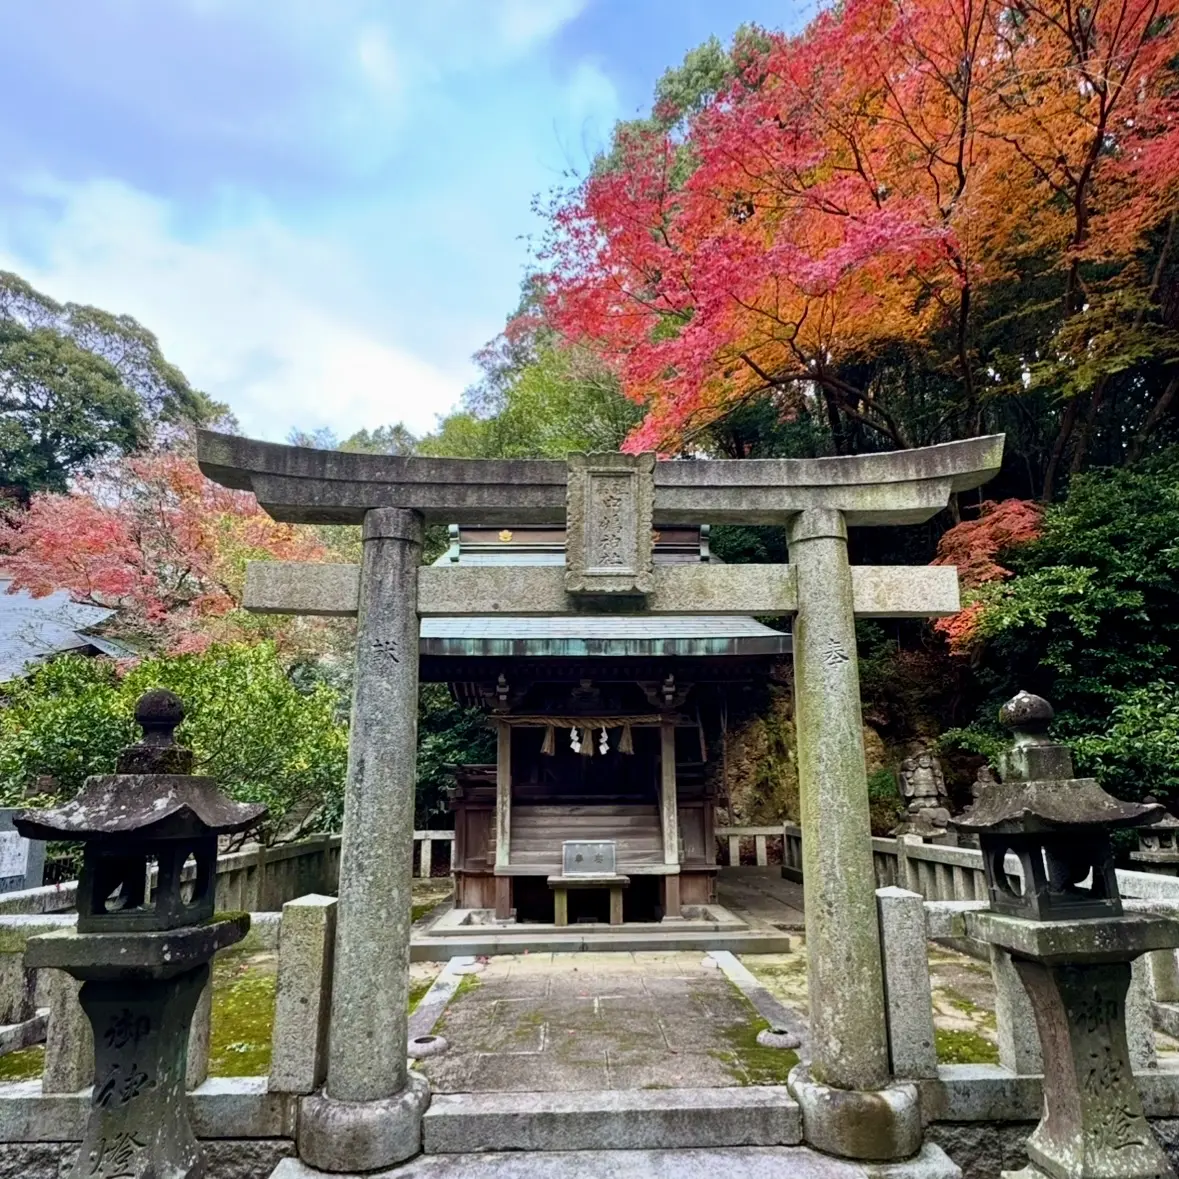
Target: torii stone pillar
[845,985]
[849,1103]
[369,1115]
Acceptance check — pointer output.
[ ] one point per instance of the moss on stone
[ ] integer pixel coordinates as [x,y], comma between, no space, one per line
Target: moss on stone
[962,1047]
[468,983]
[15,941]
[26,1065]
[243,1017]
[417,992]
[747,1061]
[957,999]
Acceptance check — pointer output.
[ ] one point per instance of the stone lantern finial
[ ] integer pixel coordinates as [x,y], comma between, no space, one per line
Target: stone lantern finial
[1027,716]
[158,713]
[1033,756]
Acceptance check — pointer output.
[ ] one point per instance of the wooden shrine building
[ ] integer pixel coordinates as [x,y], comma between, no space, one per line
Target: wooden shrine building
[603,724]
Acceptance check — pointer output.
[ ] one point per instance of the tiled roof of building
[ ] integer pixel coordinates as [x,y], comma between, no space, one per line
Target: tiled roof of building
[35,629]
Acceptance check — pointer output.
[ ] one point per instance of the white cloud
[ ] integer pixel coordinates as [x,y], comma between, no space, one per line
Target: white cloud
[249,315]
[379,61]
[523,23]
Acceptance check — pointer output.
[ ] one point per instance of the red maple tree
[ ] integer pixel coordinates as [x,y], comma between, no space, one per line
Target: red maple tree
[974,547]
[854,188]
[153,538]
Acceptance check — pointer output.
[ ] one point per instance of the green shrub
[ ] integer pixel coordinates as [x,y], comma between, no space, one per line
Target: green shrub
[249,726]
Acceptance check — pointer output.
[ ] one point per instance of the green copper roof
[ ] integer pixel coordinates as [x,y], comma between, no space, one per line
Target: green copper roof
[602,635]
[573,636]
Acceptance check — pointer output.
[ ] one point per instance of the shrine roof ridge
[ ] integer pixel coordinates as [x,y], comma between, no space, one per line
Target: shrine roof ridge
[303,484]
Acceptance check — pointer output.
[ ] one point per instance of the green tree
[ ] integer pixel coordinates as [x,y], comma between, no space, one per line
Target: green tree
[558,401]
[78,384]
[249,725]
[61,410]
[448,735]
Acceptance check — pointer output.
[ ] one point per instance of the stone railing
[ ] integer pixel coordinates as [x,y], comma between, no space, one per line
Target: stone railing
[884,856]
[254,879]
[423,842]
[43,1006]
[729,844]
[1010,1090]
[941,873]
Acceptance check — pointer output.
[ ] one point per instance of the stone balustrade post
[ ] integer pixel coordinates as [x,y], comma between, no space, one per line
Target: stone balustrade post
[1163,974]
[16,987]
[369,1113]
[908,994]
[1140,1019]
[196,1071]
[907,871]
[69,1039]
[298,1058]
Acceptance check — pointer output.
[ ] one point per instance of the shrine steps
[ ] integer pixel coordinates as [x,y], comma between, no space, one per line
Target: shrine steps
[630,1119]
[749,1162]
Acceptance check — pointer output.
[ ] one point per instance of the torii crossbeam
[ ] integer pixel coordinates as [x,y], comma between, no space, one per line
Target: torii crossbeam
[609,504]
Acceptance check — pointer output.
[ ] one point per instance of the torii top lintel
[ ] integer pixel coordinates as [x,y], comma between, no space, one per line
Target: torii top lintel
[302,485]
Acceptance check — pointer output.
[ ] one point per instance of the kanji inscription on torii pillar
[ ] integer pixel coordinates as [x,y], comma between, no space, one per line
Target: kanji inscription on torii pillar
[816,500]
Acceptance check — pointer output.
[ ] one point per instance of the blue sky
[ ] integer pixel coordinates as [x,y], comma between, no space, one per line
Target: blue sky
[321,207]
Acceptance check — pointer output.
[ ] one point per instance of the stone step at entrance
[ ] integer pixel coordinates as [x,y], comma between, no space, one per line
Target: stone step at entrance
[632,1119]
[749,1162]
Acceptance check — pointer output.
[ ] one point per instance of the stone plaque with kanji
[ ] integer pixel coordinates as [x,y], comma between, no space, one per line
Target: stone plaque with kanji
[610,508]
[589,857]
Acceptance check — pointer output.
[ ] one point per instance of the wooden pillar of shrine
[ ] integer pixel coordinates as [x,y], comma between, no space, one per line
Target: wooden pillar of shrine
[669,821]
[503,820]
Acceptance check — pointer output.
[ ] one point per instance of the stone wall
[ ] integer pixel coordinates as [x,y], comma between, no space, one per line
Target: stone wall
[985,1149]
[760,770]
[227,1158]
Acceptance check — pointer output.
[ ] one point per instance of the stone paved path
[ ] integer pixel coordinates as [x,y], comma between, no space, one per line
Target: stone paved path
[748,1162]
[542,1022]
[761,897]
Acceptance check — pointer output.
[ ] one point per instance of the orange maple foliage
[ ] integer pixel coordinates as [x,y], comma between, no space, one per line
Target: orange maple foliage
[974,546]
[153,538]
[857,186]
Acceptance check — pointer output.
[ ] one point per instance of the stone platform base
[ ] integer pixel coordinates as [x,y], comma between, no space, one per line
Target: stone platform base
[626,1119]
[750,1162]
[489,941]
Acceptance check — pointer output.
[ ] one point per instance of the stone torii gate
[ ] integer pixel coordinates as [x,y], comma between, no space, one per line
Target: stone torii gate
[369,1114]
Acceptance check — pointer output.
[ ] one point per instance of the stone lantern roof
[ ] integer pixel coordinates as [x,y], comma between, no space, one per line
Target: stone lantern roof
[1038,792]
[152,794]
[1010,807]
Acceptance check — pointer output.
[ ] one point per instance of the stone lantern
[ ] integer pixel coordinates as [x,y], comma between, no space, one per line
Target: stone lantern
[1060,918]
[1158,845]
[142,954]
